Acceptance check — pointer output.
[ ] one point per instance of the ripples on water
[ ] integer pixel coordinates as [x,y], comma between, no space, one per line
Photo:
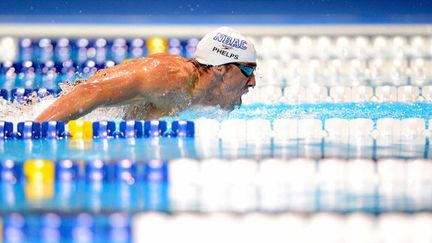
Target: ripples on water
[16,112]
[321,111]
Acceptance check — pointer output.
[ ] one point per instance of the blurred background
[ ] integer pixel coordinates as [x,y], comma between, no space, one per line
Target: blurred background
[217,12]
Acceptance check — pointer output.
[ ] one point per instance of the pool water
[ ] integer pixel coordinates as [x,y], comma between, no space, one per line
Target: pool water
[323,111]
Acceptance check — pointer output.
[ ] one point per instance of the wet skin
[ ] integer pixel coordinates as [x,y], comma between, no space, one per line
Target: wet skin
[162,84]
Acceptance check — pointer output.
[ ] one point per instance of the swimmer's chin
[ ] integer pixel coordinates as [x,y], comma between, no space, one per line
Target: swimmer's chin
[231,107]
[236,105]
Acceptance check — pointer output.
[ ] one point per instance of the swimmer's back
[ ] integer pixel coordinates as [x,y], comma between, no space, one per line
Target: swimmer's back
[160,81]
[173,66]
[157,74]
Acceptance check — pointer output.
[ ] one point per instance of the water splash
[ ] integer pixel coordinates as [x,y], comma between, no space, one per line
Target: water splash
[323,111]
[196,112]
[320,111]
[18,112]
[106,113]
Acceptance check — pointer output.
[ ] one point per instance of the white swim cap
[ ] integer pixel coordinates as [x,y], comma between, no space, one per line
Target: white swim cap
[224,45]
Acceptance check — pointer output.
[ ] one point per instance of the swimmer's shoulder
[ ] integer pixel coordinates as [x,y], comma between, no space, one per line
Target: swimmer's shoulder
[175,64]
[169,57]
[160,58]
[170,70]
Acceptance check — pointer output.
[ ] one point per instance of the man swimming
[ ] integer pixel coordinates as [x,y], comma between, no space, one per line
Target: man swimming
[162,84]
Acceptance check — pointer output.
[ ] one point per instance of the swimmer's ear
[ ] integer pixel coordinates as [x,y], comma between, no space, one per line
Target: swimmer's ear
[217,70]
[222,69]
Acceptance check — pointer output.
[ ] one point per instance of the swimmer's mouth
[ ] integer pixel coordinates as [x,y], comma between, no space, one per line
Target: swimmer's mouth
[245,89]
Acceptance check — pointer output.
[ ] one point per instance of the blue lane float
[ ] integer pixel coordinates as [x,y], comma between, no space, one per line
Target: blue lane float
[29,130]
[125,171]
[104,129]
[131,129]
[10,171]
[155,128]
[156,171]
[53,130]
[96,171]
[66,170]
[6,130]
[183,128]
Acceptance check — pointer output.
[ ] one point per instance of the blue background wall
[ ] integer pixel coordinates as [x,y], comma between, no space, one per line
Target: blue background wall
[238,11]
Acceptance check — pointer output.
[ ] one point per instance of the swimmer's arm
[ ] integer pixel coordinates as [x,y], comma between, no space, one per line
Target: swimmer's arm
[100,90]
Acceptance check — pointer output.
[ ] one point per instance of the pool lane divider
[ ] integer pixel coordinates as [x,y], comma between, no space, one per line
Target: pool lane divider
[54,226]
[240,129]
[85,130]
[45,172]
[25,95]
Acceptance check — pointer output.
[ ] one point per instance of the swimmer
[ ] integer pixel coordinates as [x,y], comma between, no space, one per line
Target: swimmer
[163,84]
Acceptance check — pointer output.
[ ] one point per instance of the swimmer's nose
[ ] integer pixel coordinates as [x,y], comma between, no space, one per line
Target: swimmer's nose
[251,82]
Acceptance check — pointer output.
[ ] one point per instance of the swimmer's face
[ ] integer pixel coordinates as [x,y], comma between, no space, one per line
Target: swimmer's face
[237,80]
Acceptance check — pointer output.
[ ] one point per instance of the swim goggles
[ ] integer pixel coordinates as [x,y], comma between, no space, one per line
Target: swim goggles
[245,69]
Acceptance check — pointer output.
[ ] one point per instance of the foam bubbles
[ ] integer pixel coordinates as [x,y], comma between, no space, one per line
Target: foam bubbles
[16,112]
